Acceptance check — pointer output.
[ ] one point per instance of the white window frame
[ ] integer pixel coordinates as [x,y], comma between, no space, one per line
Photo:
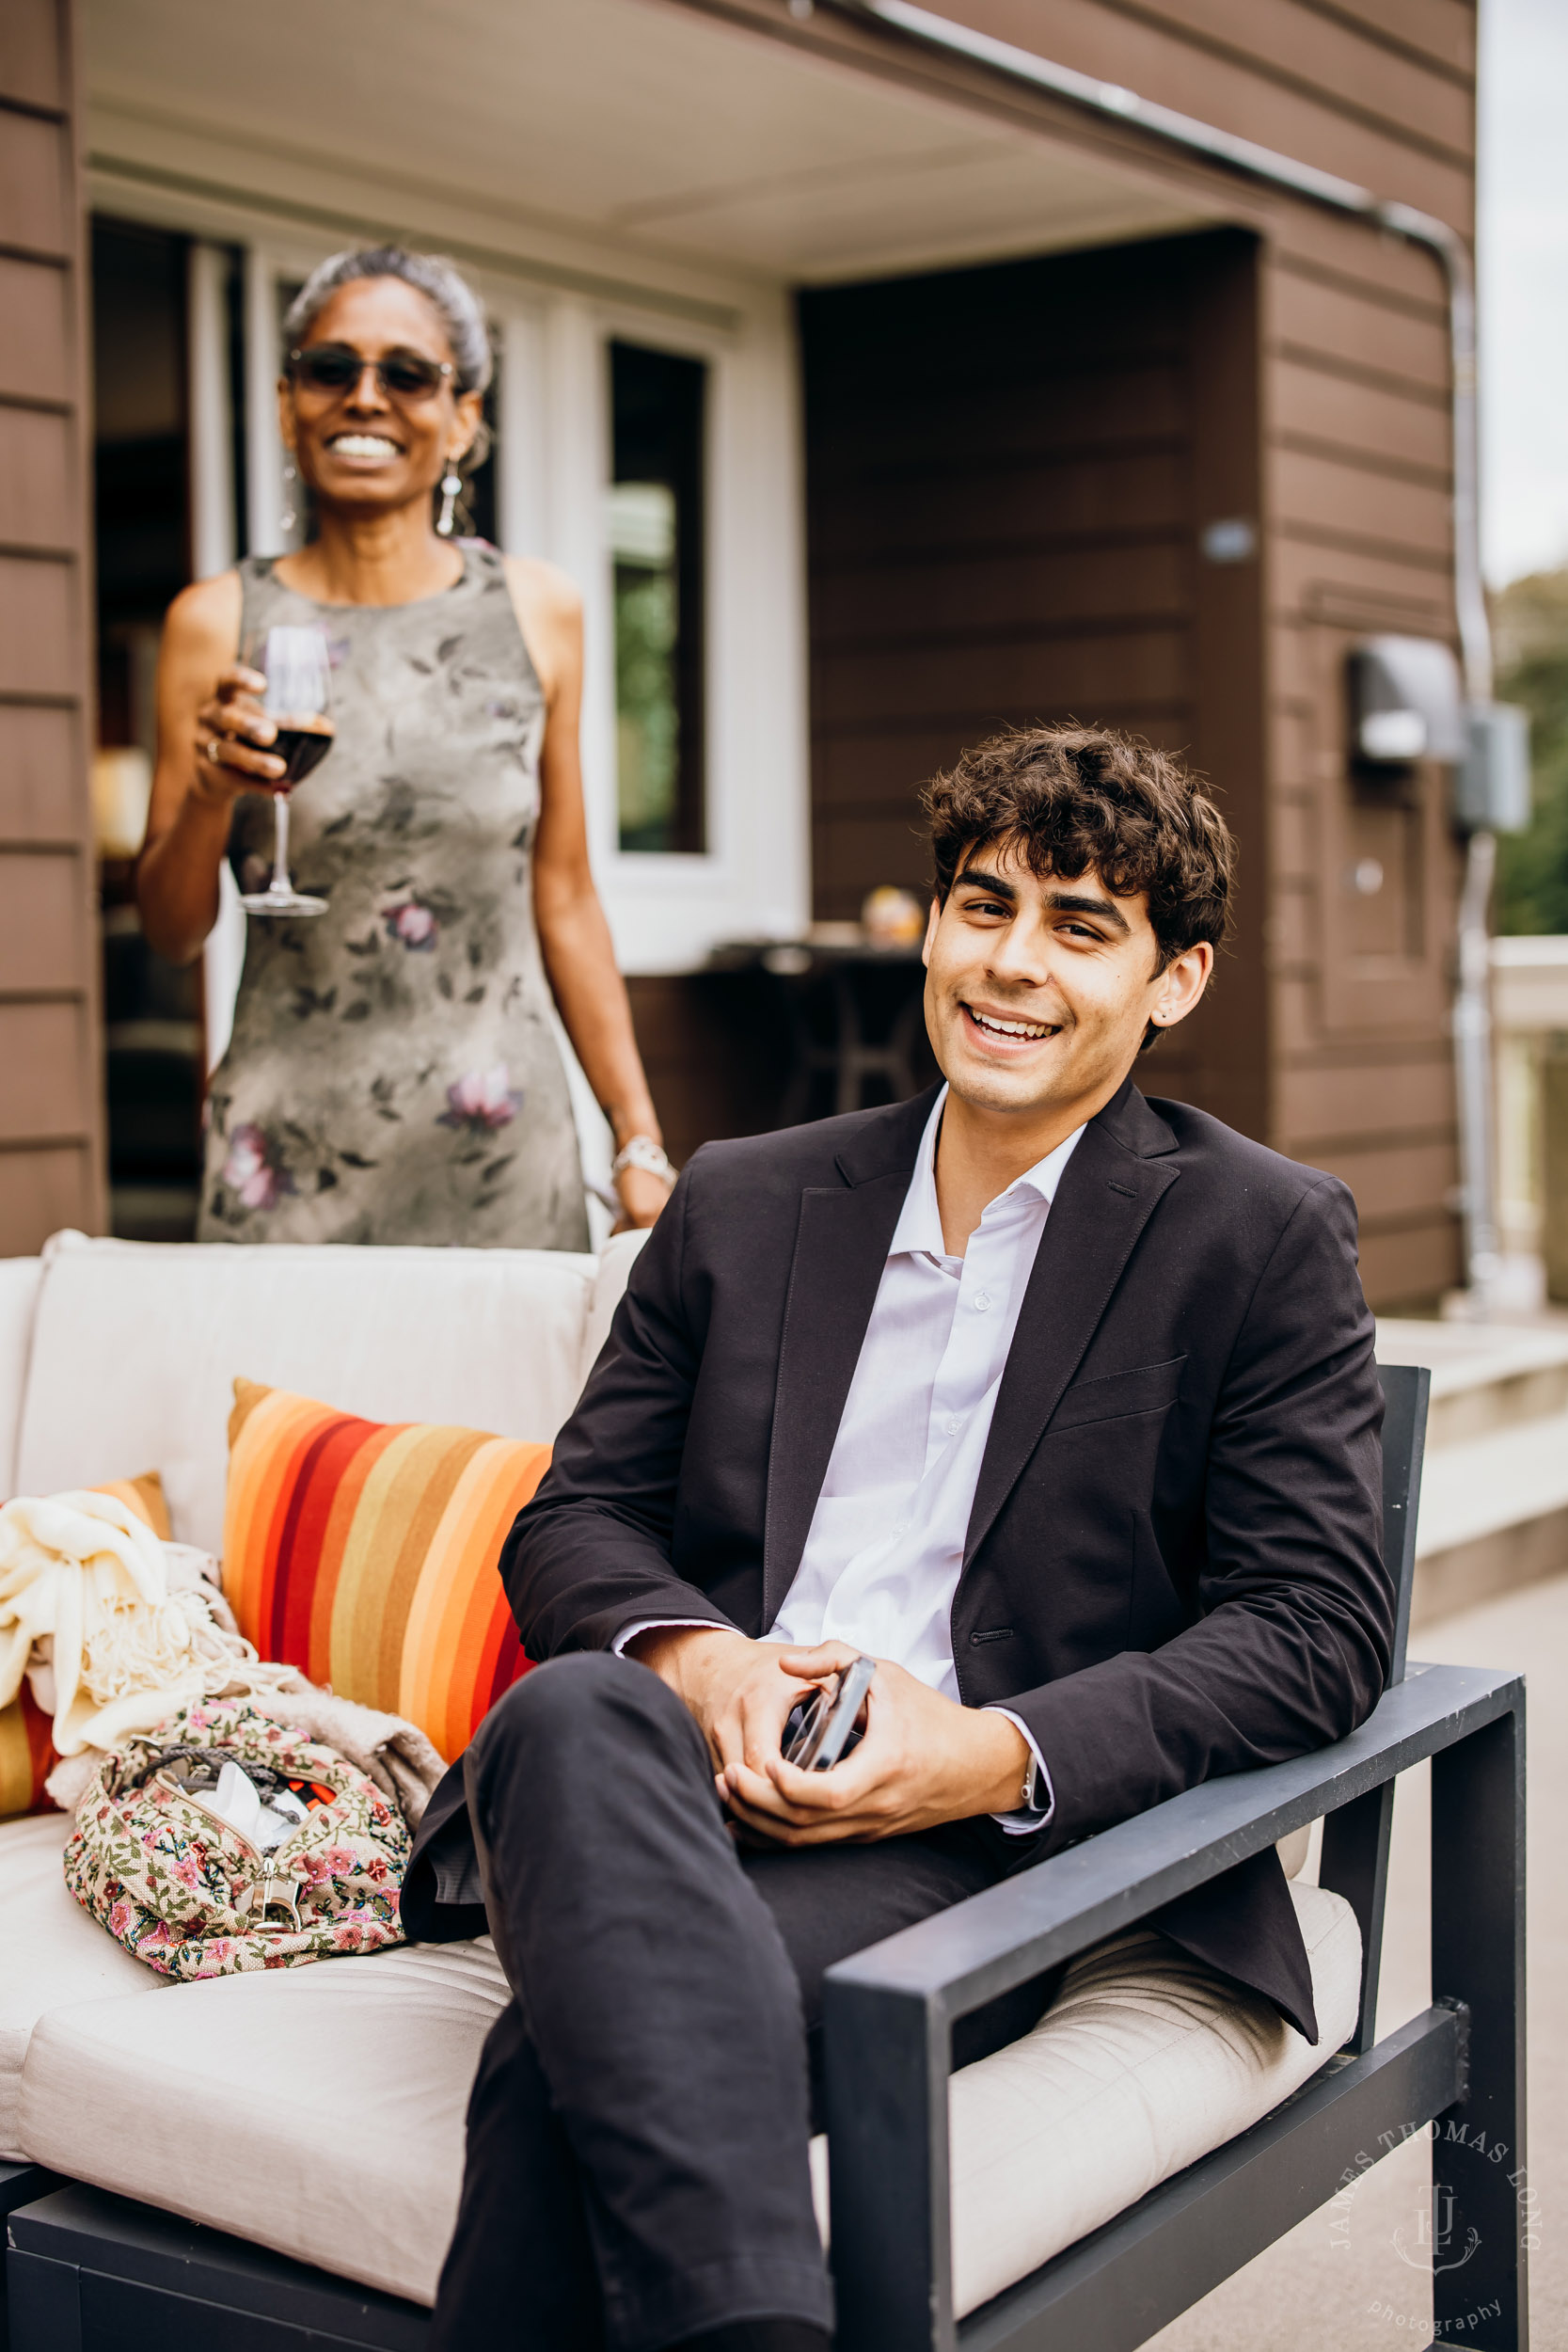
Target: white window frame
[668,908]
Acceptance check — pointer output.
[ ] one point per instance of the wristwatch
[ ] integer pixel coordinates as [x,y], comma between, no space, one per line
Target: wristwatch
[643,1152]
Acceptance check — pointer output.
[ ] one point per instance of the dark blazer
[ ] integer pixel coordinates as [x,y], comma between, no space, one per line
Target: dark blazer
[1173,1565]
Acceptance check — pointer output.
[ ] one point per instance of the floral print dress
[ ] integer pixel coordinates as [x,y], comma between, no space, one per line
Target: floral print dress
[393,1076]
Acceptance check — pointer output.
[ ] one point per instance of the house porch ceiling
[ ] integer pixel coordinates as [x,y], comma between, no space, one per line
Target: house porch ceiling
[652,128]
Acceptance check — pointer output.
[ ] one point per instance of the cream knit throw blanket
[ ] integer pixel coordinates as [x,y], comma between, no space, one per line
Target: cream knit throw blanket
[117,1631]
[85,1608]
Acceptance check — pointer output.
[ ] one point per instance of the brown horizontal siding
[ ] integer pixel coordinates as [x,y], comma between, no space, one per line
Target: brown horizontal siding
[1295,1002]
[1015,541]
[1320,1110]
[1364,322]
[39,494]
[1313,406]
[857,854]
[40,649]
[972,502]
[43,772]
[1096,407]
[1091,586]
[1432,391]
[1443,31]
[34,350]
[1241,92]
[871,771]
[1017,671]
[44,1189]
[1350,481]
[1335,544]
[1392,1177]
[44,921]
[50,1113]
[1293,924]
[1293,839]
[1324,56]
[36,191]
[48,1092]
[1309,584]
[1358,496]
[1366,506]
[32,63]
[1412,1265]
[716,1053]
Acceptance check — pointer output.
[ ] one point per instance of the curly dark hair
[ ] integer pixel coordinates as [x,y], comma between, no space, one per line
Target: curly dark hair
[1076,797]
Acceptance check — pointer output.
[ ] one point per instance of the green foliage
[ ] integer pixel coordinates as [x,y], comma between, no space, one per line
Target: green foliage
[647,714]
[1530,620]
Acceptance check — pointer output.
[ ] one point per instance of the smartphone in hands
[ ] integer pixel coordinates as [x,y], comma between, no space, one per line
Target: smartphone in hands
[818,1730]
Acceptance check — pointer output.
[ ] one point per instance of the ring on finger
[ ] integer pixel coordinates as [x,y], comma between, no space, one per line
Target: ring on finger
[211,754]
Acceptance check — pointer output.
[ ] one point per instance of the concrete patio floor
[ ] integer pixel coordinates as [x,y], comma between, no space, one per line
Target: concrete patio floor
[1313,2292]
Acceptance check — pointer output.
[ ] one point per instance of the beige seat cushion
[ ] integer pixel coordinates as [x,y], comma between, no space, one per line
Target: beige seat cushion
[50,1951]
[135,1346]
[330,2099]
[1145,2062]
[318,2111]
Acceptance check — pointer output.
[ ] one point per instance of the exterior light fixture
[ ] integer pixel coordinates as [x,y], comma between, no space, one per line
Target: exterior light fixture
[1406,702]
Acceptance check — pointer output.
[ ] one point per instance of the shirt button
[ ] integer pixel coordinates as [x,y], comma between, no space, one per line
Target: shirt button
[982,1300]
[953,1424]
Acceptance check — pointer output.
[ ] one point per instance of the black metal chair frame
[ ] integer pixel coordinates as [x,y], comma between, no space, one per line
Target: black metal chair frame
[88,2271]
[1459,2066]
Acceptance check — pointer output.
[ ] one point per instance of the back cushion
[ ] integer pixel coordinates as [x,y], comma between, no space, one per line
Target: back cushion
[26,1733]
[20,1278]
[365,1553]
[137,1346]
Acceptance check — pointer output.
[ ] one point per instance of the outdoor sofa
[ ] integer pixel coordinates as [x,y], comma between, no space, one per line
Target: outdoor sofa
[261,2161]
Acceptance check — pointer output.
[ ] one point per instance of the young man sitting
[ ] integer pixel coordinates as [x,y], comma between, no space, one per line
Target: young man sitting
[1058,1402]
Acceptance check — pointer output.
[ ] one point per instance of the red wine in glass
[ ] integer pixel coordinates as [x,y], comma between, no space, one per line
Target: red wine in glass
[302,746]
[298,699]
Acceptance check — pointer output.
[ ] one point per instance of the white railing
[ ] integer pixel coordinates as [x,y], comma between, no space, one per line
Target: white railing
[1529,1011]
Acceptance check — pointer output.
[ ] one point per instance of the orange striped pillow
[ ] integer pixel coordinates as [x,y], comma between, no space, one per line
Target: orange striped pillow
[365,1552]
[26,1744]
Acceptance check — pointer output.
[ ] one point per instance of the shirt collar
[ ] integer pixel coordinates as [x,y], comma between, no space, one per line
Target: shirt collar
[919,1226]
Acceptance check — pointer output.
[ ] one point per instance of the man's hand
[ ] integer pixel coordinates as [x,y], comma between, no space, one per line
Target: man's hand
[734,1689]
[925,1759]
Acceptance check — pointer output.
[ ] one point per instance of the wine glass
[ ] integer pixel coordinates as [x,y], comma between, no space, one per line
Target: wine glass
[298,700]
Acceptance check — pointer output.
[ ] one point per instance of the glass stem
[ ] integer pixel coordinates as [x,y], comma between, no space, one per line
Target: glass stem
[281,882]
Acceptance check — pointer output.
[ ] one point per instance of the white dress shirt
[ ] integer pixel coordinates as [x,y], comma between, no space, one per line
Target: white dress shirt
[885,1547]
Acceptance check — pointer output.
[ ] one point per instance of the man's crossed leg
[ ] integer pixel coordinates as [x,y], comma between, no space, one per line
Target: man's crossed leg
[636,2168]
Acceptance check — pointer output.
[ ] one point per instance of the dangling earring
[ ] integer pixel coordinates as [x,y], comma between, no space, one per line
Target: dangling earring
[451,490]
[287,518]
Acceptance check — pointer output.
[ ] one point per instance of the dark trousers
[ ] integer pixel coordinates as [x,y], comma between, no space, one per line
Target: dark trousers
[637,2155]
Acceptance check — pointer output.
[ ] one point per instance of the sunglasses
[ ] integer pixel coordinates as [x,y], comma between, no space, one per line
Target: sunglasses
[337,367]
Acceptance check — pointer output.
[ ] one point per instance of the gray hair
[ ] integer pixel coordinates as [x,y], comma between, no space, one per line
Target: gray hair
[460,310]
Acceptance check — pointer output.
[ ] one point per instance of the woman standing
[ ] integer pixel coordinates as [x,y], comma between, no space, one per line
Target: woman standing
[392,1076]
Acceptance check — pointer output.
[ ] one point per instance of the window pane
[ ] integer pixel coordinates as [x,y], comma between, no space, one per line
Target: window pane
[655,538]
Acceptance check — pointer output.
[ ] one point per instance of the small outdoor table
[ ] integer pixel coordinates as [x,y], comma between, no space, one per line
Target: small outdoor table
[855,1016]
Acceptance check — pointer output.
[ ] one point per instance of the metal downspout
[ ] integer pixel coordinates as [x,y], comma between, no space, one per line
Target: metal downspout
[1472,1008]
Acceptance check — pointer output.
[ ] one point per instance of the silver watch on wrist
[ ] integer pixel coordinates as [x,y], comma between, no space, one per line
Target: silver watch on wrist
[643,1152]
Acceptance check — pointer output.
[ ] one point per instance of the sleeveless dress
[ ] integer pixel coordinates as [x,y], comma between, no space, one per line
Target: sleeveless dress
[392,1075]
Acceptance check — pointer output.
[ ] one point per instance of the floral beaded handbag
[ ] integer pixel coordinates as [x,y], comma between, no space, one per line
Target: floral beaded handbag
[225,1841]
